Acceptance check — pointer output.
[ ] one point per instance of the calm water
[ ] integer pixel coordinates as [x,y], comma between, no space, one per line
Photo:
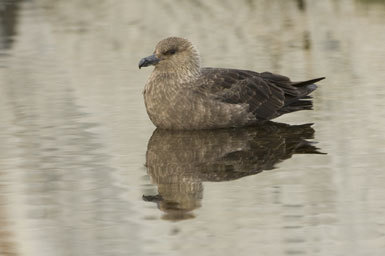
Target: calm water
[82,171]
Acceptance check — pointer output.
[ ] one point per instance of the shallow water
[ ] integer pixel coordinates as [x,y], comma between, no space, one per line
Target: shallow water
[82,171]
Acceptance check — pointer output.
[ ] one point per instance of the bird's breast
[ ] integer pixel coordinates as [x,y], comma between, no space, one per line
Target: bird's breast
[161,103]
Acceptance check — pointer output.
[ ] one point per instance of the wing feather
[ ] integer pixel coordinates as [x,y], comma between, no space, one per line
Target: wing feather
[244,87]
[268,95]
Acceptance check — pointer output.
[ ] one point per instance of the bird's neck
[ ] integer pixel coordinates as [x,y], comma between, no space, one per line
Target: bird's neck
[178,75]
[180,71]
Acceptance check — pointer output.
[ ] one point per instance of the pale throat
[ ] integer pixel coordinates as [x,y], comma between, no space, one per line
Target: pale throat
[188,72]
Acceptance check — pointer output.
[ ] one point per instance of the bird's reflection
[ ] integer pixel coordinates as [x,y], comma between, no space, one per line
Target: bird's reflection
[179,161]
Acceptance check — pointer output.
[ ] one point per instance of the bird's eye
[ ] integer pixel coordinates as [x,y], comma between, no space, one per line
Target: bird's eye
[170,52]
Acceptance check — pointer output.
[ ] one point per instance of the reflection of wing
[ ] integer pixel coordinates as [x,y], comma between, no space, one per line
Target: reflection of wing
[267,146]
[178,161]
[267,95]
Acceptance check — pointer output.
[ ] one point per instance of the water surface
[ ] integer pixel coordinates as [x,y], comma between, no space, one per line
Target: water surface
[84,172]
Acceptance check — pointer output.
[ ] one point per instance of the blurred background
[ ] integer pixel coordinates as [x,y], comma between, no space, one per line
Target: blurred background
[81,172]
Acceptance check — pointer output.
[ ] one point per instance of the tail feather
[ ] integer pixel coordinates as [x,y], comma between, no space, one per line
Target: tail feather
[307,82]
[302,99]
[297,106]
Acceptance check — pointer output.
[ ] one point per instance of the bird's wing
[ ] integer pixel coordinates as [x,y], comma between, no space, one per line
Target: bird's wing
[259,90]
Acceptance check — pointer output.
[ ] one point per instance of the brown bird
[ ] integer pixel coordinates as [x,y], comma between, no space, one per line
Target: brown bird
[182,95]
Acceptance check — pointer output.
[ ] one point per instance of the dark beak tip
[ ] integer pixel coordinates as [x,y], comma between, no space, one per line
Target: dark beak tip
[142,63]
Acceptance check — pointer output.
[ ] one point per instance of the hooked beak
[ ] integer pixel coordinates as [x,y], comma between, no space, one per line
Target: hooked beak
[150,60]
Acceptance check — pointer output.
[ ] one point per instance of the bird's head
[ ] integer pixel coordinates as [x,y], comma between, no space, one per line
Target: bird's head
[173,54]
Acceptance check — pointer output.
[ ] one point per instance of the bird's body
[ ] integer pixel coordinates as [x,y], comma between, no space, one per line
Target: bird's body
[181,95]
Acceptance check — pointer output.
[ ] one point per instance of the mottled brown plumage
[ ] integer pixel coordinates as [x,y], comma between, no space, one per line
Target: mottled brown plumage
[181,95]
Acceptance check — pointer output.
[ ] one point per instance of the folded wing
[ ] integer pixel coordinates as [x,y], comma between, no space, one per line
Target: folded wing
[268,95]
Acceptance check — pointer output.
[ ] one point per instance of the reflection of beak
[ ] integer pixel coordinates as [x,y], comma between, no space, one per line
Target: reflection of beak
[150,60]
